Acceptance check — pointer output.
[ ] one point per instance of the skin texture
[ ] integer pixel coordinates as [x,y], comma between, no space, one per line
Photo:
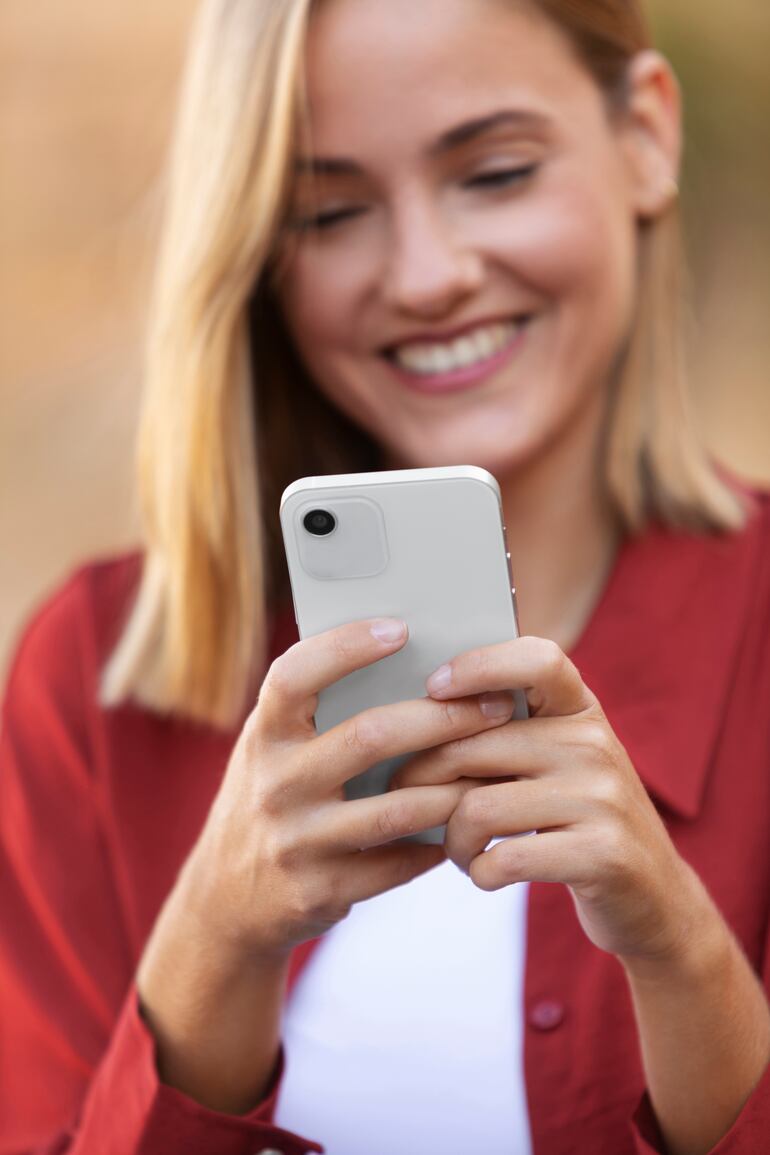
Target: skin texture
[282,855]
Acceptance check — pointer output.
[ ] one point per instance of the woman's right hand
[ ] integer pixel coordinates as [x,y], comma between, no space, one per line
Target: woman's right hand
[283,854]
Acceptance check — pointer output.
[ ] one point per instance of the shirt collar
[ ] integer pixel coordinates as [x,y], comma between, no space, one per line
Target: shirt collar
[661,649]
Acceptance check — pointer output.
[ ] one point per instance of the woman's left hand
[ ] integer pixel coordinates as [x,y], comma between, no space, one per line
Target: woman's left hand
[573,782]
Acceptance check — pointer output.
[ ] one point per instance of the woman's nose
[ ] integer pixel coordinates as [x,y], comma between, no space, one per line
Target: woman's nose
[429,269]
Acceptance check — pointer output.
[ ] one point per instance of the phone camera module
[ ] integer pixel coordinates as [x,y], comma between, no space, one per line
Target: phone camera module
[319,522]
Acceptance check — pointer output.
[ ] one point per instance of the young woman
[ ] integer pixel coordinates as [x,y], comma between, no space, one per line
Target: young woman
[404,235]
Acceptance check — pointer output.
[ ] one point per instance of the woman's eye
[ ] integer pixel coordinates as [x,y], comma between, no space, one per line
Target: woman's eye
[502,176]
[497,178]
[326,220]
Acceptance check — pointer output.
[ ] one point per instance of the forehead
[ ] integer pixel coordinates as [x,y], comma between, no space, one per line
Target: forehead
[381,73]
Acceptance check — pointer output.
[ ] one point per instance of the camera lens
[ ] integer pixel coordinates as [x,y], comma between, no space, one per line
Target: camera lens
[319,522]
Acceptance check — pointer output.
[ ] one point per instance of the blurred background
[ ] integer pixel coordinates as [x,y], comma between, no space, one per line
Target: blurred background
[86,97]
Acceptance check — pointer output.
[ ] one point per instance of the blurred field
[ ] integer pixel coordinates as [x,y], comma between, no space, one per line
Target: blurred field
[86,93]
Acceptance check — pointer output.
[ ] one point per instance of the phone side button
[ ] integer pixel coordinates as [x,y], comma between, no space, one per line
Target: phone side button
[516,625]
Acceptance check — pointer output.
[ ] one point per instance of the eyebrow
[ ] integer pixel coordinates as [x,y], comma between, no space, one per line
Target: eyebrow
[452,138]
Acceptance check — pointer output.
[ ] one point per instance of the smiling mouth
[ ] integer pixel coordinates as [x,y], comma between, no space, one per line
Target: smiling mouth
[426,359]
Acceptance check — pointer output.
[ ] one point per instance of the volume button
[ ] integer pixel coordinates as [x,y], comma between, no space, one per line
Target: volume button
[515,612]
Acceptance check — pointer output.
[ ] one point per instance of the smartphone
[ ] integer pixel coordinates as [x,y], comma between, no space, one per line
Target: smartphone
[425,545]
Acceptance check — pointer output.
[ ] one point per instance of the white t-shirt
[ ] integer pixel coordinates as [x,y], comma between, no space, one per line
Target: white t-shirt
[404,1031]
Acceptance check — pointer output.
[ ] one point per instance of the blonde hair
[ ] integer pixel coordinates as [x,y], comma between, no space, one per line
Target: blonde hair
[218,438]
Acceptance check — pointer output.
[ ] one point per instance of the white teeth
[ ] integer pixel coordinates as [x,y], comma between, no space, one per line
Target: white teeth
[466,350]
[442,359]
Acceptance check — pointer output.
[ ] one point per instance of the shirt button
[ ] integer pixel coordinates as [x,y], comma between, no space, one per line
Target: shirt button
[269,1151]
[545,1015]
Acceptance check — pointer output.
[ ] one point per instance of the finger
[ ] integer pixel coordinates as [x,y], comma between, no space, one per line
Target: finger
[544,857]
[506,809]
[371,872]
[288,698]
[521,748]
[538,666]
[362,823]
[385,732]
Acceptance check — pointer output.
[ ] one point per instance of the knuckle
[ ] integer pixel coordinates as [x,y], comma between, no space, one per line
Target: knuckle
[345,644]
[480,663]
[474,807]
[308,900]
[251,736]
[252,753]
[270,783]
[392,820]
[462,787]
[278,679]
[552,657]
[608,793]
[592,736]
[530,648]
[456,752]
[280,850]
[271,798]
[361,736]
[451,715]
[321,897]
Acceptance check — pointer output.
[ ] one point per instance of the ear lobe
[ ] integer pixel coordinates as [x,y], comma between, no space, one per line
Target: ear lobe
[652,132]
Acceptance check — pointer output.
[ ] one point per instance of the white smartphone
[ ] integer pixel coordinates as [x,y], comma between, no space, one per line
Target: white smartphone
[425,545]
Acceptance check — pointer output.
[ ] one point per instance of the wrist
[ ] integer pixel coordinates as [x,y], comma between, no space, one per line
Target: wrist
[214,1012]
[696,945]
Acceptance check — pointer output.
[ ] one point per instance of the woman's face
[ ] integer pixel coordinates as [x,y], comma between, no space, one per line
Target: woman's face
[465,277]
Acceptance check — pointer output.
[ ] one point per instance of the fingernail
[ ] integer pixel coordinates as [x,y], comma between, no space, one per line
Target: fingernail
[440,679]
[496,705]
[388,629]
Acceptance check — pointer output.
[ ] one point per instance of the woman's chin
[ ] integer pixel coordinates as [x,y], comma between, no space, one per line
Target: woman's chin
[497,459]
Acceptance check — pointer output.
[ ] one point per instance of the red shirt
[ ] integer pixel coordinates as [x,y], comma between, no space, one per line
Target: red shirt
[99,808]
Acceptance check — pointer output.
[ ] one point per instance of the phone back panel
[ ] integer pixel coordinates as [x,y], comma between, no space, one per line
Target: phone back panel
[426,545]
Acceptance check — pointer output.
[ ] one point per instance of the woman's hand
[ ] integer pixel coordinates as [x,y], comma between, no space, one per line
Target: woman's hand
[282,857]
[574,784]
[283,854]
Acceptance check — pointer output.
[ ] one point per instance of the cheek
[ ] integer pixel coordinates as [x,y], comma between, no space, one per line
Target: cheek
[575,250]
[318,299]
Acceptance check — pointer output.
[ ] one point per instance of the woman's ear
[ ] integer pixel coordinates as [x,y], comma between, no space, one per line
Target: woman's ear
[652,133]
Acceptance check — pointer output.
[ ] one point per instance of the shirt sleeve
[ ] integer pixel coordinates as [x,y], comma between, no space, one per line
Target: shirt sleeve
[78,1073]
[748,1134]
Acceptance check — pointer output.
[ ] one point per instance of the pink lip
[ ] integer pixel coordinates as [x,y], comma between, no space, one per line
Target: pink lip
[459,330]
[456,380]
